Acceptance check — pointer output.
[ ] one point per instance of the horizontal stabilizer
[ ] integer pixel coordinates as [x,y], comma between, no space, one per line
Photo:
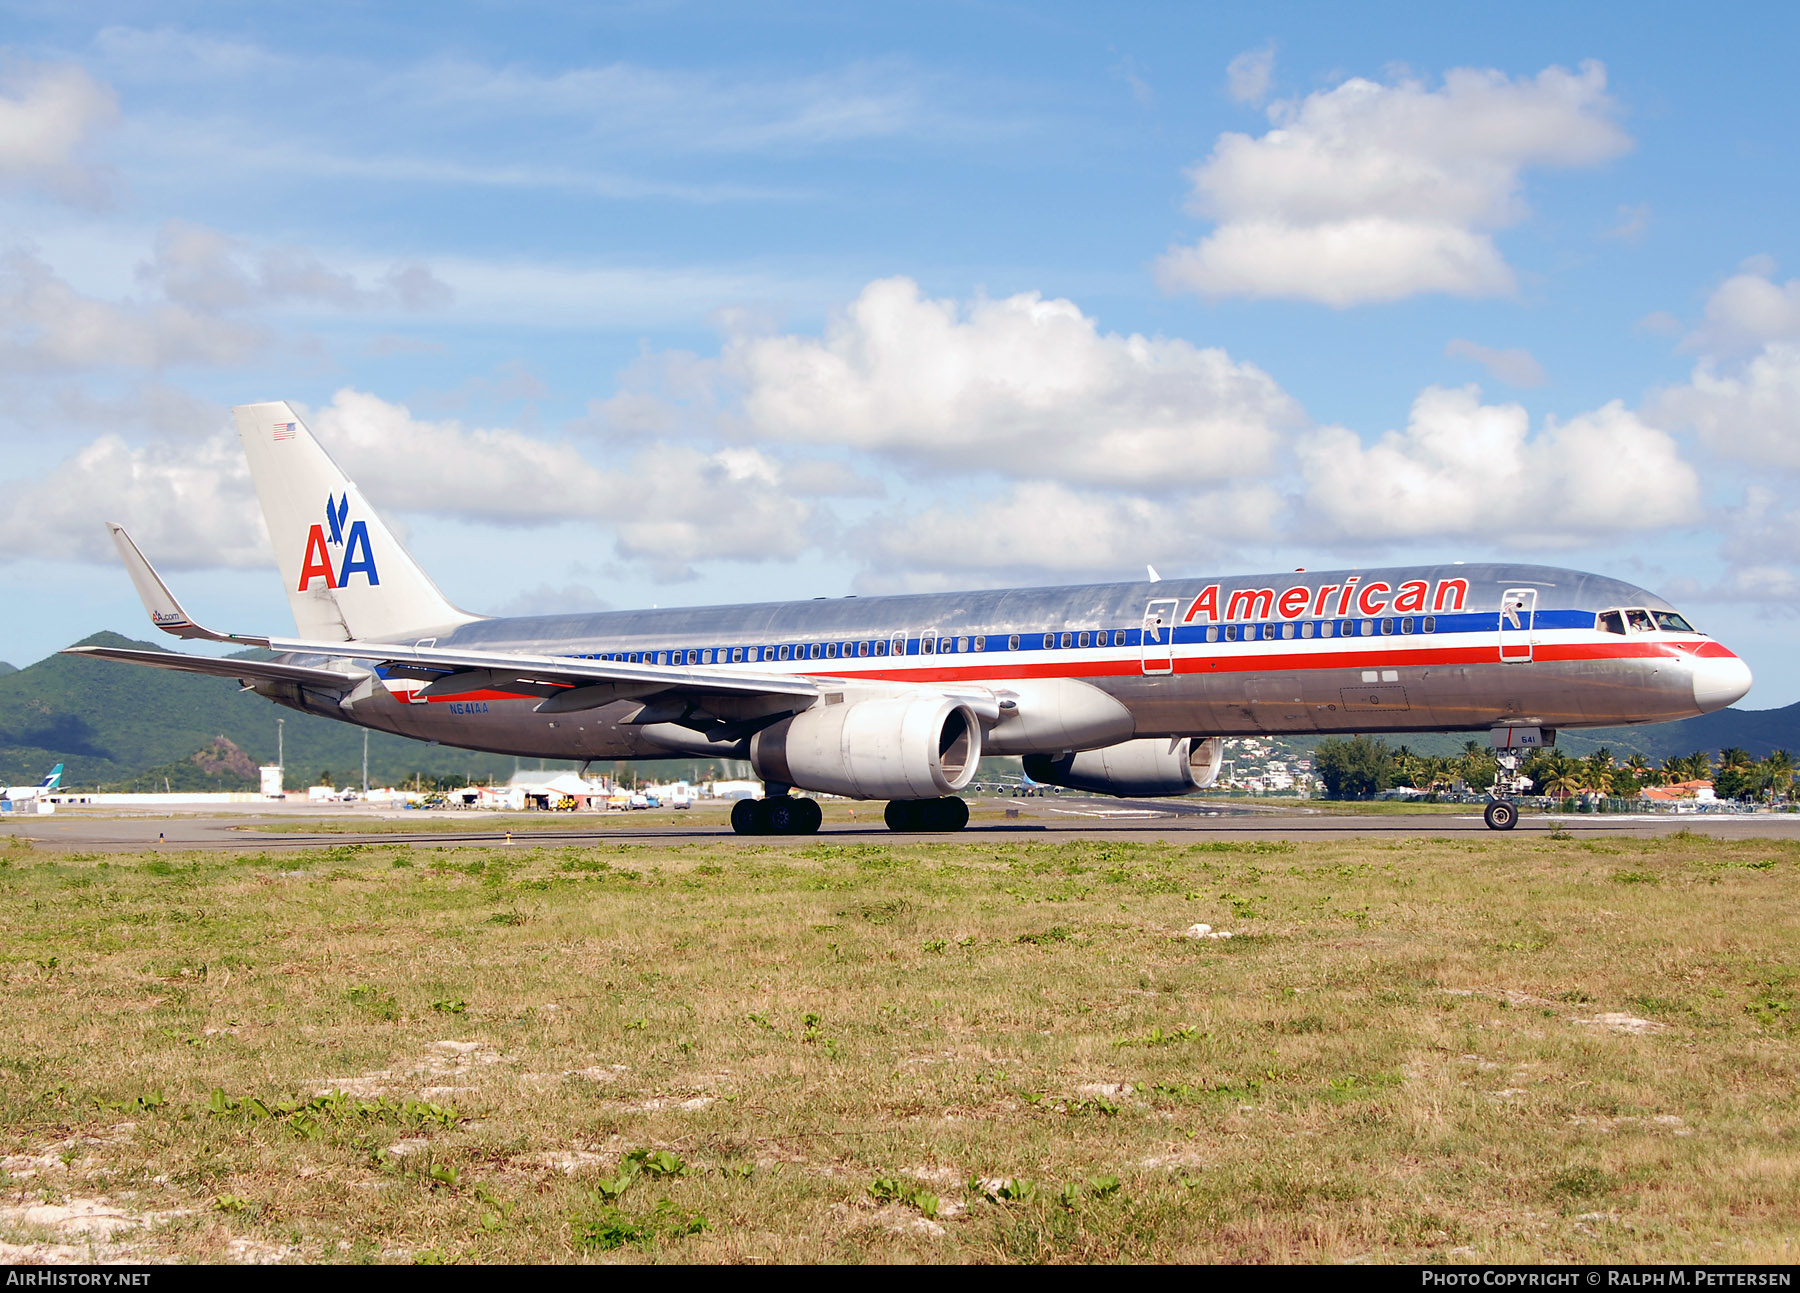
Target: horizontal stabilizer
[242,670]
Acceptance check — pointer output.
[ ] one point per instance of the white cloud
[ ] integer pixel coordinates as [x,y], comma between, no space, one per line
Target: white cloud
[208,270]
[49,118]
[47,324]
[1462,467]
[1749,411]
[188,504]
[1748,309]
[1634,223]
[1025,387]
[1247,75]
[1041,530]
[551,599]
[1370,192]
[669,506]
[1515,367]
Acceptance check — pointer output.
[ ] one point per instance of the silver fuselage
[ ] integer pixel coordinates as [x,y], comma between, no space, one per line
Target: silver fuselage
[1411,649]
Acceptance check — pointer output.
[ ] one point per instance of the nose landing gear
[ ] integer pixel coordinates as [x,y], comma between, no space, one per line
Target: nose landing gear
[949,814]
[1502,814]
[776,815]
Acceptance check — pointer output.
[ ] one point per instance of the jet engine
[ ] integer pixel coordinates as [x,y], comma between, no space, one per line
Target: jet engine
[1147,768]
[904,747]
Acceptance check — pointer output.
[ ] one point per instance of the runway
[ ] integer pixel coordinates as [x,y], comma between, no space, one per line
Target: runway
[255,828]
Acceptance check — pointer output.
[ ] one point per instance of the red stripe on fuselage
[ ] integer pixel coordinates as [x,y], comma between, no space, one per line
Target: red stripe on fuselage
[990,670]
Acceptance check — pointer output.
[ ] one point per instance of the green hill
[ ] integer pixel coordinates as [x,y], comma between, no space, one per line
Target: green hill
[112,723]
[125,727]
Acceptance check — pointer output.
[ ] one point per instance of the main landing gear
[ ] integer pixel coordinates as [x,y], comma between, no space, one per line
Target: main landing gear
[776,815]
[950,814]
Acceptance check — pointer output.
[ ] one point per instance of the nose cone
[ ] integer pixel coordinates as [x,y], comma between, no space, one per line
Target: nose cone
[1719,680]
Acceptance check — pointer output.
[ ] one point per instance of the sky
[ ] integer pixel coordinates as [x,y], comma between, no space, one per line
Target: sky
[664,303]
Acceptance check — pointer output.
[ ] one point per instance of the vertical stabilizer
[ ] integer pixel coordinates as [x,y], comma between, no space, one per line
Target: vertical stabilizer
[347,577]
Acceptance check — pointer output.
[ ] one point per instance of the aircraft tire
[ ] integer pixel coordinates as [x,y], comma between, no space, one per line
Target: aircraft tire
[743,817]
[1500,815]
[951,814]
[786,815]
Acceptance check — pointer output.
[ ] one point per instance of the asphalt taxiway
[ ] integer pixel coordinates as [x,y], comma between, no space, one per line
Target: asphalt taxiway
[255,828]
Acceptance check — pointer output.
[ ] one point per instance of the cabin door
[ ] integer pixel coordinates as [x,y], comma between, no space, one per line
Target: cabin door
[1518,620]
[1158,642]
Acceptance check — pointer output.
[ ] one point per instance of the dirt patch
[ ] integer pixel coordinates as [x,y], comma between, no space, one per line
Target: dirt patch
[1615,1022]
[441,1068]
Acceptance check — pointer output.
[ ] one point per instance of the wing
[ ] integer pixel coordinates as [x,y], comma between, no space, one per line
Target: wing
[565,683]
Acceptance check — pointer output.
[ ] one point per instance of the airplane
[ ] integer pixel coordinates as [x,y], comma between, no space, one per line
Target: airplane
[1124,689]
[44,787]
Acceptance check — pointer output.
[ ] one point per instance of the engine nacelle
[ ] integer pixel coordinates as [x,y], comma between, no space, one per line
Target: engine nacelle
[905,747]
[1147,768]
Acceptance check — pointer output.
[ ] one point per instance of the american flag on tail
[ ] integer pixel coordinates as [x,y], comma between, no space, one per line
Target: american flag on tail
[284,430]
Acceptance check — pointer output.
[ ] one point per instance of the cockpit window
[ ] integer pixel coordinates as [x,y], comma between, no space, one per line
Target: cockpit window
[1612,622]
[1639,621]
[1673,623]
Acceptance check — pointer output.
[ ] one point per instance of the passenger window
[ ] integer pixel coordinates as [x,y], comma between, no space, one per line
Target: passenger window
[1067,638]
[1406,625]
[813,651]
[1306,629]
[1049,640]
[737,654]
[981,644]
[662,657]
[1431,624]
[1012,643]
[1212,633]
[1287,630]
[1249,632]
[881,647]
[784,653]
[1085,639]
[1368,628]
[1231,633]
[1327,628]
[927,646]
[831,650]
[962,644]
[1387,627]
[1640,621]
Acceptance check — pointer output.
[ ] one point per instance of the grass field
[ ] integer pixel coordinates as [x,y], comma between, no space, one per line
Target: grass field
[1513,1049]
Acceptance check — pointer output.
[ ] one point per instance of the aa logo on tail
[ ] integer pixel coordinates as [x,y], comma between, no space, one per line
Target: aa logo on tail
[352,541]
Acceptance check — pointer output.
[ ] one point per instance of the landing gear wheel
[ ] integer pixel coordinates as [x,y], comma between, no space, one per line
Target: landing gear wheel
[1500,815]
[949,814]
[743,817]
[787,815]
